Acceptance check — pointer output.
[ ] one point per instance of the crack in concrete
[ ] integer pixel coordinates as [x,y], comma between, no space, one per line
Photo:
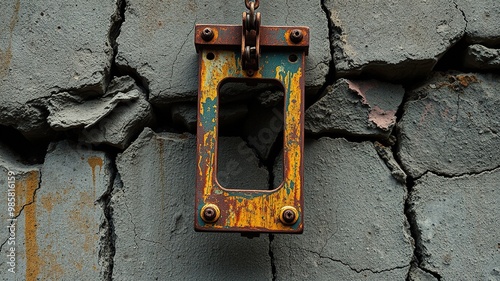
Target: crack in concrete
[374,271]
[418,252]
[463,14]
[330,76]
[287,12]
[271,257]
[27,204]
[107,250]
[134,228]
[117,19]
[451,176]
[188,36]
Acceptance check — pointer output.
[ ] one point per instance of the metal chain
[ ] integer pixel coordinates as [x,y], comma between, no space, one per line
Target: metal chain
[247,3]
[250,39]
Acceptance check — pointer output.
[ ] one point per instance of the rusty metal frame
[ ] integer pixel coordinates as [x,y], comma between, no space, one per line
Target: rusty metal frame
[283,61]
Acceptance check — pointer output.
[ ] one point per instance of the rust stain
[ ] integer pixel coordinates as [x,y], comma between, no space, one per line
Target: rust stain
[49,201]
[78,266]
[459,82]
[6,55]
[466,80]
[33,260]
[53,270]
[81,226]
[95,161]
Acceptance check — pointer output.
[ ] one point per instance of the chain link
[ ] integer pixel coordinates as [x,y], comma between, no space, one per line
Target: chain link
[250,40]
[248,3]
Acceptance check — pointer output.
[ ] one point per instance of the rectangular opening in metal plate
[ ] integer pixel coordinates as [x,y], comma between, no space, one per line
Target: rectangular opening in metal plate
[250,134]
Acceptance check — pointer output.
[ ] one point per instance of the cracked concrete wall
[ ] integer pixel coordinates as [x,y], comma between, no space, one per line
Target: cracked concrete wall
[97,146]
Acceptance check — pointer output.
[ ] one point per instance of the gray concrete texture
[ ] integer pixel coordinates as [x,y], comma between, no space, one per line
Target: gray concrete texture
[361,108]
[483,25]
[450,125]
[479,58]
[355,229]
[62,232]
[163,54]
[462,214]
[98,116]
[47,47]
[153,216]
[392,40]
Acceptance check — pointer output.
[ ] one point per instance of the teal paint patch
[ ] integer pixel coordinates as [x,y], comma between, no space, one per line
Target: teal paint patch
[273,59]
[198,217]
[209,113]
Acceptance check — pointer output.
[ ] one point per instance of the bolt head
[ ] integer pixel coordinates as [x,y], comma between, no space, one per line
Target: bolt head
[207,34]
[289,215]
[210,213]
[296,36]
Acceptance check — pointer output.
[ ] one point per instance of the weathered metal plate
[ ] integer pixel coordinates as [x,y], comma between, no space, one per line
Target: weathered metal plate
[249,210]
[229,36]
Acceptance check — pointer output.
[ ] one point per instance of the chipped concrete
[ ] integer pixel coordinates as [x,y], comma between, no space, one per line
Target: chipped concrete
[67,111]
[481,58]
[43,49]
[392,41]
[356,108]
[147,35]
[100,72]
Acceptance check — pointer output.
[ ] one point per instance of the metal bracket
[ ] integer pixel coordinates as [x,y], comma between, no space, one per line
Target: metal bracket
[282,59]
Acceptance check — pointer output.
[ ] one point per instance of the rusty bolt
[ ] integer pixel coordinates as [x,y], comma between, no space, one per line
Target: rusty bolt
[296,36]
[289,215]
[207,34]
[210,213]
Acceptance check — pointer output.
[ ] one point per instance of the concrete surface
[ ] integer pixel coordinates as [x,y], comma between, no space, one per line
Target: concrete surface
[26,179]
[410,194]
[392,40]
[355,227]
[153,218]
[49,46]
[450,125]
[62,227]
[363,108]
[457,221]
[481,58]
[483,25]
[163,54]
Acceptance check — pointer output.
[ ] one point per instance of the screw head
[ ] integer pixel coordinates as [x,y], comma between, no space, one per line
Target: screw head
[207,34]
[210,213]
[289,215]
[296,35]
